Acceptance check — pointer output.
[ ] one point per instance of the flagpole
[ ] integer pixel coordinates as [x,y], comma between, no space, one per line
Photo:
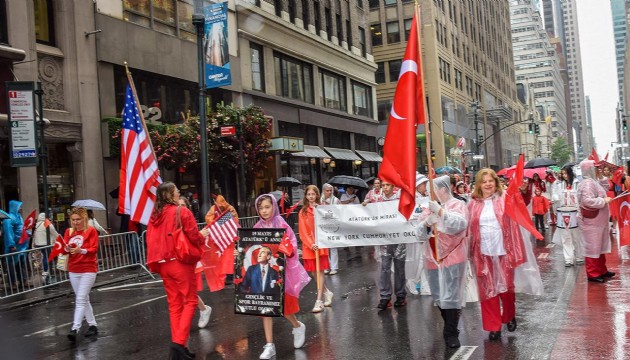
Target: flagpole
[135,97]
[427,128]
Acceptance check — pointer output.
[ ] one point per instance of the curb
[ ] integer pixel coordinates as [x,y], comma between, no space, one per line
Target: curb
[58,294]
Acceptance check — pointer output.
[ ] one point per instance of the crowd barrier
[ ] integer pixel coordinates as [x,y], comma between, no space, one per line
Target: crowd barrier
[29,270]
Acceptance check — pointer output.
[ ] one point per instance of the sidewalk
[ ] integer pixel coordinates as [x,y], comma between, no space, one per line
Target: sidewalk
[64,288]
[597,324]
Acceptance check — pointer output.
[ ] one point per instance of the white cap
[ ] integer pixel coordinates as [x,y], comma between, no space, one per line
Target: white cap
[420,179]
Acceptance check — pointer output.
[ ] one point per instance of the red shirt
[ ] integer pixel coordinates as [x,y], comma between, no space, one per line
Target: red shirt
[540,205]
[88,241]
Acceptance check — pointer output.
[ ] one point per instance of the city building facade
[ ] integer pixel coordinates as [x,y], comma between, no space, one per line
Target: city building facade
[468,77]
[538,63]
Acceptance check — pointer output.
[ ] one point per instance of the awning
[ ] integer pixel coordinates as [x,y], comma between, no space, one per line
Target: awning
[342,154]
[311,151]
[369,156]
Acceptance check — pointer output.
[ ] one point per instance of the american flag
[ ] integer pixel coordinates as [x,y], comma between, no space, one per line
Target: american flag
[223,231]
[139,174]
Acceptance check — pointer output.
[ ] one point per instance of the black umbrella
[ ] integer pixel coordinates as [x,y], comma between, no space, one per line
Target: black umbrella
[539,162]
[288,181]
[570,164]
[370,179]
[345,180]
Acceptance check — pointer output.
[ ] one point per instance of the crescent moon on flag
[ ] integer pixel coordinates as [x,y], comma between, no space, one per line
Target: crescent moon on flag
[625,203]
[407,66]
[58,245]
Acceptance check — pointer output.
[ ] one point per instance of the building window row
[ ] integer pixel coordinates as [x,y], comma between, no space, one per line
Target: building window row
[445,70]
[173,17]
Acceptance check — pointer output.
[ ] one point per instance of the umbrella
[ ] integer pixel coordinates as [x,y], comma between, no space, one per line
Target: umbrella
[370,179]
[530,172]
[539,162]
[571,164]
[507,172]
[3,215]
[346,180]
[89,204]
[288,181]
[448,170]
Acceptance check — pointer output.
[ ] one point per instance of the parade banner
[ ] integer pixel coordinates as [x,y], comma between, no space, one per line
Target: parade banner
[216,52]
[356,225]
[259,273]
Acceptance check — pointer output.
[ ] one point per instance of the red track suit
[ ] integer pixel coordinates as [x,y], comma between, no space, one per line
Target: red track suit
[179,278]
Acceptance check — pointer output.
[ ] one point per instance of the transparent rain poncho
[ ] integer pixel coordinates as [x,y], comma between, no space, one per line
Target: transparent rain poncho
[447,273]
[591,195]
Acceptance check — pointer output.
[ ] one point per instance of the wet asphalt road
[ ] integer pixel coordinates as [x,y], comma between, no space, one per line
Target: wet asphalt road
[133,323]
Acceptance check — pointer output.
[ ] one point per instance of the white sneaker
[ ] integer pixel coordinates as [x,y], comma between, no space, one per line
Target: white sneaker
[328,298]
[326,272]
[204,317]
[411,287]
[299,336]
[332,272]
[269,351]
[319,306]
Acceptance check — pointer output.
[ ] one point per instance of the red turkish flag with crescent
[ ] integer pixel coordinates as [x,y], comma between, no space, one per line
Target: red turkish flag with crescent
[399,152]
[29,223]
[57,249]
[620,210]
[515,206]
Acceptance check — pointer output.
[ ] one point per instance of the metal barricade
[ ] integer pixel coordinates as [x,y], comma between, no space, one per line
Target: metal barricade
[29,270]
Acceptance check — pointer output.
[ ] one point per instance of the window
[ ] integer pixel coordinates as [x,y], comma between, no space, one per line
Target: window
[4,34]
[362,95]
[374,4]
[394,70]
[339,28]
[293,78]
[173,17]
[44,22]
[329,21]
[187,30]
[407,28]
[379,75]
[348,34]
[458,79]
[316,17]
[333,91]
[362,43]
[277,4]
[377,34]
[258,67]
[305,17]
[292,11]
[390,2]
[393,32]
[164,16]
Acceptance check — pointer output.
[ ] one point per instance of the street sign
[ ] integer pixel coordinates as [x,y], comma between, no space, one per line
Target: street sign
[228,131]
[477,157]
[22,139]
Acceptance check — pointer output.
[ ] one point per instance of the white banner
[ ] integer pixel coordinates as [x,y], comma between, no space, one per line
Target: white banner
[357,225]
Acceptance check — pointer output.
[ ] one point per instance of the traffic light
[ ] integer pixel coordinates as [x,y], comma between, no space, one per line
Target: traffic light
[536,129]
[480,139]
[432,154]
[624,123]
[531,128]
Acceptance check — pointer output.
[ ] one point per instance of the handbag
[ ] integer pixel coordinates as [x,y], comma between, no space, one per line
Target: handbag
[62,262]
[472,294]
[588,213]
[185,251]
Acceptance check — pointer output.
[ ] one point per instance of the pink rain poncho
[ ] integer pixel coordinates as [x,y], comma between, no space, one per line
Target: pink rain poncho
[296,278]
[591,195]
[447,277]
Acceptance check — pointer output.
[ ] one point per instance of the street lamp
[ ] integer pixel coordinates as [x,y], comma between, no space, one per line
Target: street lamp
[476,107]
[198,20]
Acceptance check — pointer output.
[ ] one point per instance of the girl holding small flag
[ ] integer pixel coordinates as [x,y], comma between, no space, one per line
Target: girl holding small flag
[296,278]
[82,247]
[315,259]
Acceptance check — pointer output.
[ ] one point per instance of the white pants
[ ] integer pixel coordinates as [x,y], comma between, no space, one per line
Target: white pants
[82,284]
[572,244]
[333,257]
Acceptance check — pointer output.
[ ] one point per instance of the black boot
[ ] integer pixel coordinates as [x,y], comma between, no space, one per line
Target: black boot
[451,333]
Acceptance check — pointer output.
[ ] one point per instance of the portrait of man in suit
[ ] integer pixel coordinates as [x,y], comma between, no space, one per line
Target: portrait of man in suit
[261,278]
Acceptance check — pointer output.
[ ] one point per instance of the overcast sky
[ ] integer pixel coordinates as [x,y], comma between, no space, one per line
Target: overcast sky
[599,68]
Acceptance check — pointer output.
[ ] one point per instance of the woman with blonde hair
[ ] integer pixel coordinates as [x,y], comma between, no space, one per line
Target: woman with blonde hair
[310,251]
[82,246]
[497,248]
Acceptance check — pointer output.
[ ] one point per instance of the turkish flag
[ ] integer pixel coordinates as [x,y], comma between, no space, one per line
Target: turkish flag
[285,246]
[515,206]
[57,249]
[29,223]
[594,156]
[620,210]
[399,152]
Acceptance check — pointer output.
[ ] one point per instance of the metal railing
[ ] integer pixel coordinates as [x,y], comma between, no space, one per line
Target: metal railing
[29,270]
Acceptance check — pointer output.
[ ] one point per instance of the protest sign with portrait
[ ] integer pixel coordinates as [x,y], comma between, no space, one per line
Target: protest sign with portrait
[259,273]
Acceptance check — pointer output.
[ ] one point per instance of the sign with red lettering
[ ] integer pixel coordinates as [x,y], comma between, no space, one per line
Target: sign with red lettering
[228,131]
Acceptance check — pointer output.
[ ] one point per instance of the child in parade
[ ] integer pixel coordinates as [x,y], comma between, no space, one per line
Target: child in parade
[375,193]
[540,207]
[329,198]
[445,261]
[310,251]
[296,278]
[82,247]
[414,264]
